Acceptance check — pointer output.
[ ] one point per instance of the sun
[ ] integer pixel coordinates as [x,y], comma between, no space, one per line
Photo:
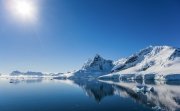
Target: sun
[24,9]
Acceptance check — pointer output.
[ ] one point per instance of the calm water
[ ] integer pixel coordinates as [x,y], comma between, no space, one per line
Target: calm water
[87,95]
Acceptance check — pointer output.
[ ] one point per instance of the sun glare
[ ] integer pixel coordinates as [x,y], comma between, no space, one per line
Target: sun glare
[24,9]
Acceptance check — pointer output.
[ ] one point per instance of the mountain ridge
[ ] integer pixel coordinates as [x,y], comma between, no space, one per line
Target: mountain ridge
[162,60]
[155,62]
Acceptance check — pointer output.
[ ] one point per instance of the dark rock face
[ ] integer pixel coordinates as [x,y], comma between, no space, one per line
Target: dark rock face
[120,68]
[131,59]
[175,54]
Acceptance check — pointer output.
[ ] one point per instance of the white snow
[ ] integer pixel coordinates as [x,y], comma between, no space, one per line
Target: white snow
[155,61]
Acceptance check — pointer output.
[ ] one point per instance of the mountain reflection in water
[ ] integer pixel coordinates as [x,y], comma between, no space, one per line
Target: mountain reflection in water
[165,96]
[157,95]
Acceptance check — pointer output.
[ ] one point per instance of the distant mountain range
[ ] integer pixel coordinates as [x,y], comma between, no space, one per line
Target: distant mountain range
[30,73]
[153,62]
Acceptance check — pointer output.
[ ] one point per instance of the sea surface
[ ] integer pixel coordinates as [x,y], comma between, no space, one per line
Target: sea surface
[39,94]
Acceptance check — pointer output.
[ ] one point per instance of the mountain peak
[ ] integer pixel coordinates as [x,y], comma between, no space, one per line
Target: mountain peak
[98,63]
[157,47]
[151,47]
[97,56]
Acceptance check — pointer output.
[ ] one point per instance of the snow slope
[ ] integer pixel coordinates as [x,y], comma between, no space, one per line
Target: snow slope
[154,62]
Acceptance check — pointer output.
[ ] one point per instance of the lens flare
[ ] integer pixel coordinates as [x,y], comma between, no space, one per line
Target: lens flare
[23,9]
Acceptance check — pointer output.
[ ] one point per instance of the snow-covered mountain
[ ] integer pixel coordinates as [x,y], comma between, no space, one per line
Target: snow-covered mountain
[34,74]
[155,62]
[29,73]
[97,64]
[94,67]
[149,58]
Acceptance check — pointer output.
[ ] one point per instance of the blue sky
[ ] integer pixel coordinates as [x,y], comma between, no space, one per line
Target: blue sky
[68,32]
